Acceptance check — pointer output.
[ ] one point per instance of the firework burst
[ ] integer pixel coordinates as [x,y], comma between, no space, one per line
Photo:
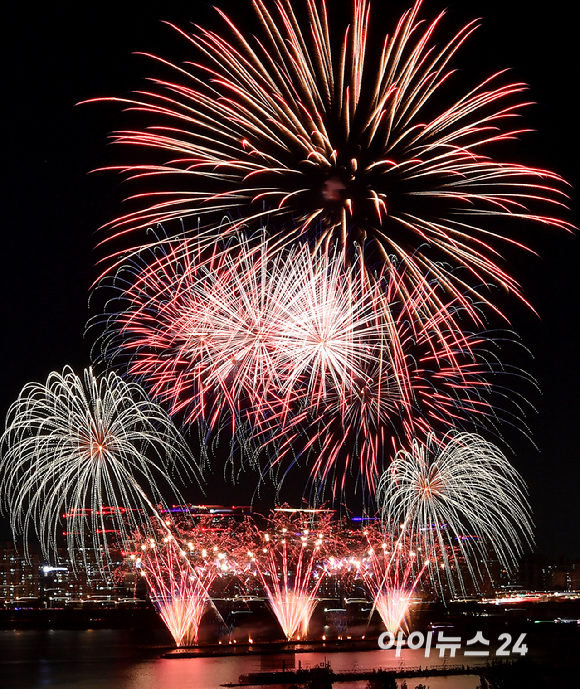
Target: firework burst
[179,589]
[310,129]
[90,450]
[198,331]
[391,571]
[249,337]
[289,562]
[181,558]
[301,354]
[460,498]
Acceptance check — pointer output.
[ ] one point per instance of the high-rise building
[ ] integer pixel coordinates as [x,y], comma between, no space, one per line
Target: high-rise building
[19,576]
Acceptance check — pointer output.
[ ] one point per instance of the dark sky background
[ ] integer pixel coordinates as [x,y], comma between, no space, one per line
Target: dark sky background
[52,207]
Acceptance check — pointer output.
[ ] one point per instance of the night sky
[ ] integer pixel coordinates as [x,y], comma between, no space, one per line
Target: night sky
[52,207]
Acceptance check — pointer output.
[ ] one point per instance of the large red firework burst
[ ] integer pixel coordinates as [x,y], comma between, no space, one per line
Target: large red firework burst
[311,128]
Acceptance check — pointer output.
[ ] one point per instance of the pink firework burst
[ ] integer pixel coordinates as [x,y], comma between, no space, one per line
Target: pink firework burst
[391,571]
[245,334]
[289,559]
[302,354]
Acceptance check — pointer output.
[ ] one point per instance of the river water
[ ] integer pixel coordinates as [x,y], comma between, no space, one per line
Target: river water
[94,659]
[114,659]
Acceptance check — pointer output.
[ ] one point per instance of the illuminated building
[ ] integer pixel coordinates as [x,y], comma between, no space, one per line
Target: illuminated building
[19,577]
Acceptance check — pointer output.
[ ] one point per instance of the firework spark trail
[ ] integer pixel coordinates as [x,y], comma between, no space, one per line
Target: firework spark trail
[391,571]
[288,559]
[445,490]
[86,446]
[314,129]
[181,560]
[180,590]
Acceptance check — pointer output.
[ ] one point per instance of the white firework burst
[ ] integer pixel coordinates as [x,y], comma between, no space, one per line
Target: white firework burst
[463,499]
[90,454]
